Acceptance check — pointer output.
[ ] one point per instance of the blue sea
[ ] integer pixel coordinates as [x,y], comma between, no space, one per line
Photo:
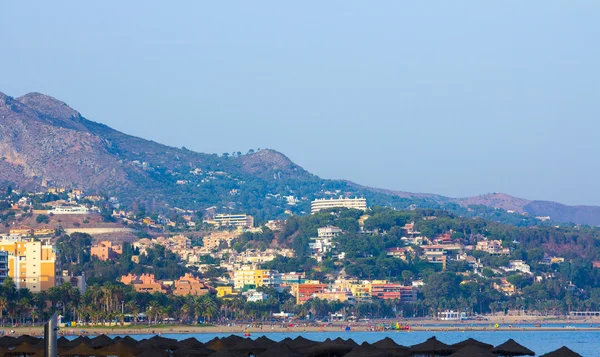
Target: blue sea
[586,343]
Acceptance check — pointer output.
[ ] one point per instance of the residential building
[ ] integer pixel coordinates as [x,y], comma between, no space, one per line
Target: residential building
[77,209]
[323,243]
[332,295]
[21,231]
[106,250]
[224,290]
[518,265]
[77,282]
[493,247]
[304,292]
[190,285]
[386,291]
[236,220]
[505,287]
[3,266]
[440,253]
[293,278]
[144,283]
[31,263]
[214,240]
[255,296]
[342,202]
[396,252]
[253,278]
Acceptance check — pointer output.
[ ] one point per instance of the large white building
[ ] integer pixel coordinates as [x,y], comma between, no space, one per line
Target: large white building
[237,220]
[342,202]
[323,243]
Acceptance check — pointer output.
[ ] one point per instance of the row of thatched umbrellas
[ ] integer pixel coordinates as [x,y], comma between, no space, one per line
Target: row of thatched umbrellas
[236,346]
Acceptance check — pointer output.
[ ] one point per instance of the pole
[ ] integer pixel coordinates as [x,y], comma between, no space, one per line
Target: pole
[50,336]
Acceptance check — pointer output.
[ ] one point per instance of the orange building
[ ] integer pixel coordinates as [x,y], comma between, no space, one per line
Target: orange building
[189,285]
[106,250]
[304,292]
[144,283]
[31,263]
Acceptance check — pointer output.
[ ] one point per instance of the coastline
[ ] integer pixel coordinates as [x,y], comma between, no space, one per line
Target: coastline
[520,325]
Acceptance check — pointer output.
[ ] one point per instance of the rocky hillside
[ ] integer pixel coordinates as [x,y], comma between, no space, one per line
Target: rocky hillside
[44,142]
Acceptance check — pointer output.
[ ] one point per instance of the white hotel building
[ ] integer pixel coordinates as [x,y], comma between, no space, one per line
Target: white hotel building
[324,203]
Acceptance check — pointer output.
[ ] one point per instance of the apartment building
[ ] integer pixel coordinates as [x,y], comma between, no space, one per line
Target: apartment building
[493,247]
[190,285]
[144,283]
[106,250]
[236,220]
[385,291]
[31,263]
[342,202]
[323,243]
[3,266]
[214,240]
[305,292]
[254,278]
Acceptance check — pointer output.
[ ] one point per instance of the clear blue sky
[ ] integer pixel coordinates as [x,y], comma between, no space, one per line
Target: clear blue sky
[452,97]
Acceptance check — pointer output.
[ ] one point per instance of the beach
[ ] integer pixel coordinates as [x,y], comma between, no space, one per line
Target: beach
[506,323]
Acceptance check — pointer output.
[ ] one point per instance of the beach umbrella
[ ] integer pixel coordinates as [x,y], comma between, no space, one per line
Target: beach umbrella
[562,352]
[299,342]
[81,349]
[248,345]
[118,349]
[472,342]
[280,350]
[26,338]
[216,345]
[193,352]
[431,347]
[158,342]
[190,343]
[101,341]
[473,351]
[8,341]
[389,345]
[327,349]
[76,342]
[367,350]
[61,341]
[24,349]
[155,352]
[265,341]
[511,348]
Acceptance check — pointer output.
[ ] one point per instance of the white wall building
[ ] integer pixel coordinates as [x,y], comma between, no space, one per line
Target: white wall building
[342,202]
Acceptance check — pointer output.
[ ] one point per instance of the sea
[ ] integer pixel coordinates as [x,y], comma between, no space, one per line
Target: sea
[586,343]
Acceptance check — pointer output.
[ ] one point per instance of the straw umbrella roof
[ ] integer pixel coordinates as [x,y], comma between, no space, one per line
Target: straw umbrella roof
[154,352]
[29,339]
[512,348]
[119,349]
[388,343]
[265,341]
[472,342]
[368,350]
[101,341]
[193,352]
[562,352]
[473,351]
[77,341]
[249,345]
[280,350]
[8,341]
[190,343]
[24,349]
[328,348]
[432,347]
[82,349]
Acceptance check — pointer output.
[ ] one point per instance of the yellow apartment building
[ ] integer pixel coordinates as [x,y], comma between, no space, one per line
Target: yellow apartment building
[31,264]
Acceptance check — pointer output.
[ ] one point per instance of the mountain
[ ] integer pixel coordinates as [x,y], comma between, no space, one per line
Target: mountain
[45,143]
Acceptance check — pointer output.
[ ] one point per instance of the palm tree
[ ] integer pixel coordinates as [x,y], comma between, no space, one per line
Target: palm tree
[3,306]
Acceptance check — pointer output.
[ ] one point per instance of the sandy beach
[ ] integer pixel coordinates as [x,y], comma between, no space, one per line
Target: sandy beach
[506,323]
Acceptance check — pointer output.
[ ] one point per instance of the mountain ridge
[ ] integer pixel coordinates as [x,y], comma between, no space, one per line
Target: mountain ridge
[45,142]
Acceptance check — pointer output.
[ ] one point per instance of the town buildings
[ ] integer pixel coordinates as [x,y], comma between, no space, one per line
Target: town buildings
[323,243]
[493,247]
[144,283]
[190,285]
[31,263]
[236,220]
[3,266]
[217,239]
[106,250]
[323,203]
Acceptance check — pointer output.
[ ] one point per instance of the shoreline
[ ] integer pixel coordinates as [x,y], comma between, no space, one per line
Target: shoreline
[267,329]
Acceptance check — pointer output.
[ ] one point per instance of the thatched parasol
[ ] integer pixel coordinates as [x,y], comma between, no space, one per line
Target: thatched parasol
[431,347]
[101,341]
[81,349]
[8,341]
[24,349]
[562,352]
[190,343]
[328,348]
[473,351]
[472,342]
[248,345]
[511,348]
[265,341]
[119,349]
[280,350]
[155,352]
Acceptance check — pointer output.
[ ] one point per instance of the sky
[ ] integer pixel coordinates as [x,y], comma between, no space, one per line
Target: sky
[452,97]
